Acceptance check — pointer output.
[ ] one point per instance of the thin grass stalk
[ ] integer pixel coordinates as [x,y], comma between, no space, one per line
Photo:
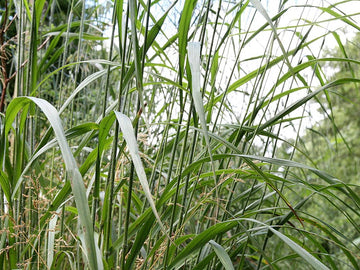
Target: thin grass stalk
[166,136]
[127,217]
[32,68]
[19,161]
[133,10]
[110,190]
[212,44]
[180,166]
[15,208]
[128,205]
[29,135]
[176,142]
[111,175]
[65,54]
[96,192]
[160,157]
[147,20]
[20,49]
[4,79]
[78,53]
[139,103]
[180,79]
[120,224]
[185,204]
[112,37]
[196,84]
[161,152]
[122,27]
[143,58]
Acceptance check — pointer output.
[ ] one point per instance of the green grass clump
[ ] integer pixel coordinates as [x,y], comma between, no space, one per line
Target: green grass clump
[171,135]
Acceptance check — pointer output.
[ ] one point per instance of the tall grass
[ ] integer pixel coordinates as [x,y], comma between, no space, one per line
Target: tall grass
[150,135]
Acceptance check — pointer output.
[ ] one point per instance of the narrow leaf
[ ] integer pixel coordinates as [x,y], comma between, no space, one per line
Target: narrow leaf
[129,136]
[194,61]
[222,255]
[316,264]
[76,180]
[263,12]
[51,239]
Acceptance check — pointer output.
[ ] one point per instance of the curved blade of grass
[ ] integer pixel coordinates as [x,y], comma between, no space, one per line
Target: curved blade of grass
[129,136]
[77,184]
[194,61]
[210,233]
[266,66]
[96,61]
[51,239]
[302,101]
[82,85]
[340,17]
[315,263]
[289,163]
[200,240]
[222,255]
[263,12]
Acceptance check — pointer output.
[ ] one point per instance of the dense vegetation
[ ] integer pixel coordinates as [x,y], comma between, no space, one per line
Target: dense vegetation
[171,135]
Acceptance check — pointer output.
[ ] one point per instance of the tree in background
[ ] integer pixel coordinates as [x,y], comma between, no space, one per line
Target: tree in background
[333,144]
[336,140]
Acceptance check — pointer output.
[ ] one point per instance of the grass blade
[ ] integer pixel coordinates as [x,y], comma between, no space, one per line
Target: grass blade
[129,136]
[222,255]
[316,264]
[77,184]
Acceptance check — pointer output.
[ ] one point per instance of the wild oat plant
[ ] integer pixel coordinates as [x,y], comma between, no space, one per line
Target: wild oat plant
[179,134]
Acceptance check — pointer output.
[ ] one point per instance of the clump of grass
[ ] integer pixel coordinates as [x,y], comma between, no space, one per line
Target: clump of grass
[221,90]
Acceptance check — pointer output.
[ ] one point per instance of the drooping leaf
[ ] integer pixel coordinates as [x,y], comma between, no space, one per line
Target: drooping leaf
[129,136]
[74,175]
[222,255]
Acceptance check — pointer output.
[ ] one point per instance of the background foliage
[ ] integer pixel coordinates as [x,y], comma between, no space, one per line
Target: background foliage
[125,145]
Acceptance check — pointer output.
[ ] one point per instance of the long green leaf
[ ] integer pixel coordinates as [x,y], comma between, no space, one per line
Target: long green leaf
[76,180]
[222,255]
[316,264]
[129,136]
[194,61]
